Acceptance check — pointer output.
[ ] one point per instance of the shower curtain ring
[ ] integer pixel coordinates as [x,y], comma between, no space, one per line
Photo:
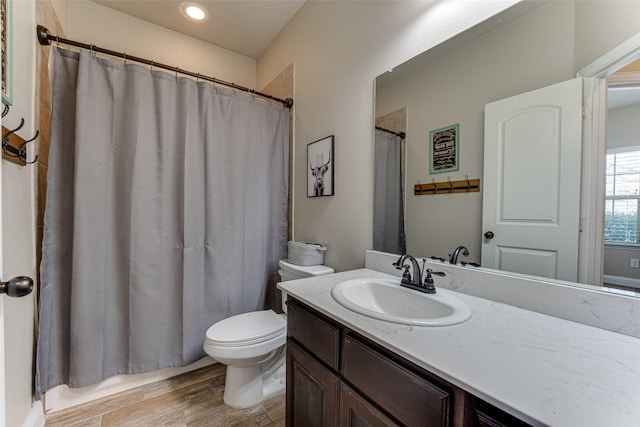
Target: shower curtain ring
[124,55]
[151,66]
[177,71]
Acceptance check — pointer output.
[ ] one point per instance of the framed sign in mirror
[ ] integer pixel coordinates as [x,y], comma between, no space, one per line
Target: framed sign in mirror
[321,166]
[7,71]
[444,150]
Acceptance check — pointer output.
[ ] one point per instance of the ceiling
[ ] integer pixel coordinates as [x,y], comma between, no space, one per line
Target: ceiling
[243,26]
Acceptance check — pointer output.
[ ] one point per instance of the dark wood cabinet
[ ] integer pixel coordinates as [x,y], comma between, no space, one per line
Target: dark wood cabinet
[312,391]
[336,377]
[486,415]
[408,397]
[355,411]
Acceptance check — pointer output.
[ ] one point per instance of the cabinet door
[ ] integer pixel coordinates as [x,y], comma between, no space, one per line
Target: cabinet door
[312,391]
[357,412]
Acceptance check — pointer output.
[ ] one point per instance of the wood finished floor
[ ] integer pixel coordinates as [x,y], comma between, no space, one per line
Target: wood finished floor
[191,399]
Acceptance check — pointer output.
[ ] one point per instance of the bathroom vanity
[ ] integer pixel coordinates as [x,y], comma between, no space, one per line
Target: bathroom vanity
[336,377]
[503,366]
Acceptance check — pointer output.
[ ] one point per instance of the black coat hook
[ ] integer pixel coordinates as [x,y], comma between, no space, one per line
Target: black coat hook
[5,137]
[22,151]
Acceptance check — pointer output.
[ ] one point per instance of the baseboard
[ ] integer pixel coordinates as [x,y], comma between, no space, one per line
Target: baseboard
[36,416]
[621,281]
[63,397]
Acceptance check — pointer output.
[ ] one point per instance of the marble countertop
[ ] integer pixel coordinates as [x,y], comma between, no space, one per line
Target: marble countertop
[541,369]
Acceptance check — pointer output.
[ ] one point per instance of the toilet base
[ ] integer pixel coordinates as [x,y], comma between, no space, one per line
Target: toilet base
[250,385]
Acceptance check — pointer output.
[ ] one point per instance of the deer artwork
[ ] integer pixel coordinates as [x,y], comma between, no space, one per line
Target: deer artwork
[318,172]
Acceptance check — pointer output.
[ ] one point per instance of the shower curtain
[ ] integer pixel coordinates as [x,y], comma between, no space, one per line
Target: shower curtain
[388,197]
[166,211]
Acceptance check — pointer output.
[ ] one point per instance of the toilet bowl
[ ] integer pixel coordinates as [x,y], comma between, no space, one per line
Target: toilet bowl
[252,345]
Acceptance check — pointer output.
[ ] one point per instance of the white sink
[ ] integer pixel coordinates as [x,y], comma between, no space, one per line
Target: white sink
[385,299]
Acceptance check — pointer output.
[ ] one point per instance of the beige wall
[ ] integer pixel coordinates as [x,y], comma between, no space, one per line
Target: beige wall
[623,127]
[18,223]
[602,25]
[338,49]
[92,23]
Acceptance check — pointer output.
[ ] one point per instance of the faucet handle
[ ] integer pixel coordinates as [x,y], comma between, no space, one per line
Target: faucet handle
[429,285]
[437,273]
[406,276]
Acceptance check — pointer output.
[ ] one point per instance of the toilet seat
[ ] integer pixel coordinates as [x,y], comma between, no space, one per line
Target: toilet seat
[246,329]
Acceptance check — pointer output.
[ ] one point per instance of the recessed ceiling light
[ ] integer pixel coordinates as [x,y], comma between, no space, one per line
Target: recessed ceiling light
[194,11]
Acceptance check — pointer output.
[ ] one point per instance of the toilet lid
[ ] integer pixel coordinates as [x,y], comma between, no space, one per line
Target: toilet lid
[247,328]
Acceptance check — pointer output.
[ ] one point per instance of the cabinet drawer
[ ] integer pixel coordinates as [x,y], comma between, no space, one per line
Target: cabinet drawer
[409,398]
[314,332]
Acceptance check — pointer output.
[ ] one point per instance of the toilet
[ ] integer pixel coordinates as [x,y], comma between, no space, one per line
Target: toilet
[252,345]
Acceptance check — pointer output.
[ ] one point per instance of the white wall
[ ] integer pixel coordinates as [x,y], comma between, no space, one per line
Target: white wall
[338,49]
[18,223]
[92,23]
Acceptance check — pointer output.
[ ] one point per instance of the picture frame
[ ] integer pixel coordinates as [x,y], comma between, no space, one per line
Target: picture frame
[7,51]
[321,167]
[444,149]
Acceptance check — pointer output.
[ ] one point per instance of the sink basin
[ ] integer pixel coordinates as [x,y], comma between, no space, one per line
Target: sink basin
[385,299]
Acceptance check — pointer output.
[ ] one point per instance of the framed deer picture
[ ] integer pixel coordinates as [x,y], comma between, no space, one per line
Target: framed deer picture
[320,160]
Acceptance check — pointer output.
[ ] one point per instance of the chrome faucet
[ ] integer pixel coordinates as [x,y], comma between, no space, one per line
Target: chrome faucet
[453,258]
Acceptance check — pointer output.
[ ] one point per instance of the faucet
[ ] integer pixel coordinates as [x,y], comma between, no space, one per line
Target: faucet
[453,258]
[406,276]
[428,286]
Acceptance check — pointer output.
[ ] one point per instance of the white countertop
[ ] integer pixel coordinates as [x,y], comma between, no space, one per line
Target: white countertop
[541,369]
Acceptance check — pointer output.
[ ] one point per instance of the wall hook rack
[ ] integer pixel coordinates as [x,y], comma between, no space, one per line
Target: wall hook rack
[465,185]
[14,147]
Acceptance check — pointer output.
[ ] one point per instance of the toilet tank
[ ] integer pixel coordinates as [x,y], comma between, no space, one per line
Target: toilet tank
[290,271]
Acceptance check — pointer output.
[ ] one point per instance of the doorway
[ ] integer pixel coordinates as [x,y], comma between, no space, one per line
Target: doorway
[593,195]
[621,259]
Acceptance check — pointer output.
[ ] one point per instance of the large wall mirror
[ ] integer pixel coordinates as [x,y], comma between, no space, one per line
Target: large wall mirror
[534,44]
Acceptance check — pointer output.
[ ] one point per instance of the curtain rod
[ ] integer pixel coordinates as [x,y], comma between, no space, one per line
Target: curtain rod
[402,135]
[44,36]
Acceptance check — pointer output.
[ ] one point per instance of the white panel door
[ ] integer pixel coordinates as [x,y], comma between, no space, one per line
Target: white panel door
[531,202]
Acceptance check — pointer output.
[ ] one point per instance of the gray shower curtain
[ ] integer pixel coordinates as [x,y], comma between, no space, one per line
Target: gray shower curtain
[166,211]
[388,194]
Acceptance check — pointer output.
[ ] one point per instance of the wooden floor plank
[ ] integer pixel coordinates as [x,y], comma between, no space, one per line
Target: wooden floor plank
[193,399]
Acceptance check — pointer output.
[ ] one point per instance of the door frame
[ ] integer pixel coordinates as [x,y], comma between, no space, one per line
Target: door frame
[594,151]
[3,392]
